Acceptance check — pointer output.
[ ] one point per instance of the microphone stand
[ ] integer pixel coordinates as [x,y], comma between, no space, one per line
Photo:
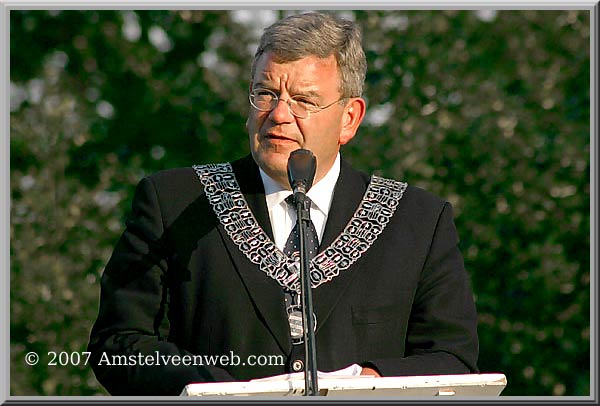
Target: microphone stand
[310,376]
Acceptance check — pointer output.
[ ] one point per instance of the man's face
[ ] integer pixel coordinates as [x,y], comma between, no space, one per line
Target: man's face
[276,133]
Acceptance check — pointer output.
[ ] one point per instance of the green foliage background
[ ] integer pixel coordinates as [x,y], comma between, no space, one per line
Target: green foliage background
[490,110]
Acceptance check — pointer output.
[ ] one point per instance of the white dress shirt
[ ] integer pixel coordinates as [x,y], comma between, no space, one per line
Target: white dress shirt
[283,216]
[283,219]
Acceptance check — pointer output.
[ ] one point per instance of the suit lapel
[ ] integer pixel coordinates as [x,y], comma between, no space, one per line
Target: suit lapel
[348,193]
[264,292]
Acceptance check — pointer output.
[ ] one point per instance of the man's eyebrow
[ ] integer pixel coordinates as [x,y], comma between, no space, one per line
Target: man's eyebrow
[262,85]
[307,93]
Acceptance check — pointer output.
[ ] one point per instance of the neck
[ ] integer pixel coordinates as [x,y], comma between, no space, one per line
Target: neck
[282,179]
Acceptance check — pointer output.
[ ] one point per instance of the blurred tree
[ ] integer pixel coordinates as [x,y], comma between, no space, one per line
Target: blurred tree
[489,109]
[62,234]
[94,109]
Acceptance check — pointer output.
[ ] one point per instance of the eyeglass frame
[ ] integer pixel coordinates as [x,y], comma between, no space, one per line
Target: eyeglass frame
[277,99]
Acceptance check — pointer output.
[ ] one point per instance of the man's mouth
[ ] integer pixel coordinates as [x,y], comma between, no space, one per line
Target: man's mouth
[279,137]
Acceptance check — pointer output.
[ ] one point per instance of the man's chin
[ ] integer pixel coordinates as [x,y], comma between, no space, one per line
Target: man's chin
[275,167]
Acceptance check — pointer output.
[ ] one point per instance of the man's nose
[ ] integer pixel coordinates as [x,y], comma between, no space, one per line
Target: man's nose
[282,113]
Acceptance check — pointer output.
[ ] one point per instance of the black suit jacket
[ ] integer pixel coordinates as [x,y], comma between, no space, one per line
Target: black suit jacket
[177,285]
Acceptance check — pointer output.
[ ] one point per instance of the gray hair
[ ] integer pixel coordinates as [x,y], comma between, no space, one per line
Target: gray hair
[302,35]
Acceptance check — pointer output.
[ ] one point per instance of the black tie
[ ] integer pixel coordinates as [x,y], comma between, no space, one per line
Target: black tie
[292,245]
[292,250]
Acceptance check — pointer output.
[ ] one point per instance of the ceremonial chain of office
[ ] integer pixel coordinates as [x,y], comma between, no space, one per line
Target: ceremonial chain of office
[370,219]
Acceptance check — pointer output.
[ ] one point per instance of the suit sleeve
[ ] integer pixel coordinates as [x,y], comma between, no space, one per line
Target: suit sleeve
[132,317]
[442,328]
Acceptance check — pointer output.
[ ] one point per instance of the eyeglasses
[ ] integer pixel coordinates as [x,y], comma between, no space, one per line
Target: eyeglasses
[299,106]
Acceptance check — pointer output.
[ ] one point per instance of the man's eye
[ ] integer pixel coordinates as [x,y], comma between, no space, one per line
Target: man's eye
[307,103]
[263,93]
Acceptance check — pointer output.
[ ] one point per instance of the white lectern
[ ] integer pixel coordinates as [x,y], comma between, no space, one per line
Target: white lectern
[360,386]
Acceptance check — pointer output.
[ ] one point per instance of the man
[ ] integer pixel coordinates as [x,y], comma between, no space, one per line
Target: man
[204,266]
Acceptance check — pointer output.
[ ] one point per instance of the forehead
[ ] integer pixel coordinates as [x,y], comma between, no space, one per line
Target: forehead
[308,72]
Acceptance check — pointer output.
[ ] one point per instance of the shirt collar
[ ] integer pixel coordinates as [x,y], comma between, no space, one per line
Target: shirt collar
[321,193]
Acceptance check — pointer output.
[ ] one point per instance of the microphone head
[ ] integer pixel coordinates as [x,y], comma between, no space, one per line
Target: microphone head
[301,168]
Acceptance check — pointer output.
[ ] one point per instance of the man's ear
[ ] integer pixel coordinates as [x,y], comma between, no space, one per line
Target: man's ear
[354,112]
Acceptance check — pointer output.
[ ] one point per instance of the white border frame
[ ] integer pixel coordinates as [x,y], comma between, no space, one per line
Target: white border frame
[6,6]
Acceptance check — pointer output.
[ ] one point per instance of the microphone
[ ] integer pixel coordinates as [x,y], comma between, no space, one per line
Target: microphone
[301,168]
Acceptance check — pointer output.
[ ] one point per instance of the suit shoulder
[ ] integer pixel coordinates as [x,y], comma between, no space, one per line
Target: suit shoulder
[173,177]
[419,204]
[421,210]
[423,197]
[175,190]
[416,194]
